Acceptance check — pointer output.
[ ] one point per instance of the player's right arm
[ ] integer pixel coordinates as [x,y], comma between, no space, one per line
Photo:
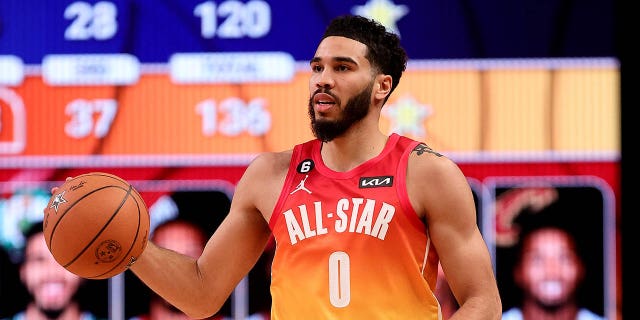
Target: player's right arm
[200,287]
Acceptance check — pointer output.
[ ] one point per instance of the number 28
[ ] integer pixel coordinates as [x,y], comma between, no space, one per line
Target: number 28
[97,21]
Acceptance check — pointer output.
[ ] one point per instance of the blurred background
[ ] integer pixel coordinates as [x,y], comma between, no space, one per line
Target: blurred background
[177,97]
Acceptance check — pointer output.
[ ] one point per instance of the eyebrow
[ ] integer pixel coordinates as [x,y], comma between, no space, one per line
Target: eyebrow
[335,59]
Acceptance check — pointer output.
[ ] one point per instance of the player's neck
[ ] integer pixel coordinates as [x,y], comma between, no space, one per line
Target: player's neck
[354,148]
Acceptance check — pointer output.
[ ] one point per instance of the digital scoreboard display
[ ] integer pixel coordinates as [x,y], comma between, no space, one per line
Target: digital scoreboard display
[179,96]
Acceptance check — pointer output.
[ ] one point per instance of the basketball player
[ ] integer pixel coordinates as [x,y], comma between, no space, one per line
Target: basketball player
[360,218]
[549,270]
[52,288]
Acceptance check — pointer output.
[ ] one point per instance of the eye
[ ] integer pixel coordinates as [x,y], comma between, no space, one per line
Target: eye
[343,67]
[316,68]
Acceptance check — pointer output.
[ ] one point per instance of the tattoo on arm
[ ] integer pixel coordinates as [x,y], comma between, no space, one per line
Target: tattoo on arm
[422,148]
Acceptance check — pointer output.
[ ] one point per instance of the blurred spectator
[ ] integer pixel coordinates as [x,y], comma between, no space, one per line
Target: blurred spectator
[52,289]
[185,237]
[549,270]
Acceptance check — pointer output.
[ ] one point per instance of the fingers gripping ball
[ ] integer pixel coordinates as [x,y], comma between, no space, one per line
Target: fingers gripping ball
[96,225]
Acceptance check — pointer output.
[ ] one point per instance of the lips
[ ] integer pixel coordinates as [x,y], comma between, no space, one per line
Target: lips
[323,102]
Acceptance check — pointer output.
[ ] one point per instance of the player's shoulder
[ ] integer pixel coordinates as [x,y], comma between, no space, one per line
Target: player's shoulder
[512,314]
[270,163]
[426,160]
[272,160]
[440,170]
[585,314]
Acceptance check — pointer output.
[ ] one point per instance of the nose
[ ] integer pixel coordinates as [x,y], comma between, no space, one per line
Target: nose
[325,79]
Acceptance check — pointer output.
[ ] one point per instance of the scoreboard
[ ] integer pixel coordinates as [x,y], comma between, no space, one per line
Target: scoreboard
[227,79]
[179,96]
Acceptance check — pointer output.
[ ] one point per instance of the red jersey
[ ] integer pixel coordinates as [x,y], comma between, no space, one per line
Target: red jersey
[349,245]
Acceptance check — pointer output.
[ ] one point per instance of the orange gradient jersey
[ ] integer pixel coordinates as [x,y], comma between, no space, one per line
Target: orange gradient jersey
[349,244]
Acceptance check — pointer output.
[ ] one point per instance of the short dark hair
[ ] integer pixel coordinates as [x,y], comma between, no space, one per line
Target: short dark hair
[30,230]
[553,216]
[385,52]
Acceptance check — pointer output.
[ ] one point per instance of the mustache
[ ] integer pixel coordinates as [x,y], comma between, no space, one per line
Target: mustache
[325,91]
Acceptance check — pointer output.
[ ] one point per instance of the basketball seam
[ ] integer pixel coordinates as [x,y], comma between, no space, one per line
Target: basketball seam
[106,224]
[134,242]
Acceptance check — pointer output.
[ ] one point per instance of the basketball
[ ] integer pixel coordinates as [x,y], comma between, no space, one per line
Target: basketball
[96,225]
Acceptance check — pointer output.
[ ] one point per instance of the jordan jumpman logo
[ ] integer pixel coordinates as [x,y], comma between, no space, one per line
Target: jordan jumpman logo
[301,186]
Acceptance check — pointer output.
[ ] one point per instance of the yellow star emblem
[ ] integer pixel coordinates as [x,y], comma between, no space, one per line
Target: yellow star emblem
[384,11]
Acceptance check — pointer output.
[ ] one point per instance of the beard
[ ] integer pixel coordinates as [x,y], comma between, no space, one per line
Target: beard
[51,313]
[355,110]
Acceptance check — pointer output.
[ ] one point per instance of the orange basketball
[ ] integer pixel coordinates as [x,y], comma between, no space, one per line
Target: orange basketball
[96,225]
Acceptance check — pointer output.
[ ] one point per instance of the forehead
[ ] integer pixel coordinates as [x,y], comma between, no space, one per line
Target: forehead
[177,230]
[549,239]
[35,245]
[334,46]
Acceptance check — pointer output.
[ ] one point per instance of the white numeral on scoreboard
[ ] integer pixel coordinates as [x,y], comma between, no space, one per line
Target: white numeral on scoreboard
[234,116]
[251,19]
[97,21]
[90,117]
[339,279]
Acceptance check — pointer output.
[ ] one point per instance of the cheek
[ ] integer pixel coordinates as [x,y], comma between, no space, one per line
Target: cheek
[570,273]
[313,81]
[532,275]
[72,281]
[33,274]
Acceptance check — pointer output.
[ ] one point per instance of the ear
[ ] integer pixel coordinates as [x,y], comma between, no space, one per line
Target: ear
[382,87]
